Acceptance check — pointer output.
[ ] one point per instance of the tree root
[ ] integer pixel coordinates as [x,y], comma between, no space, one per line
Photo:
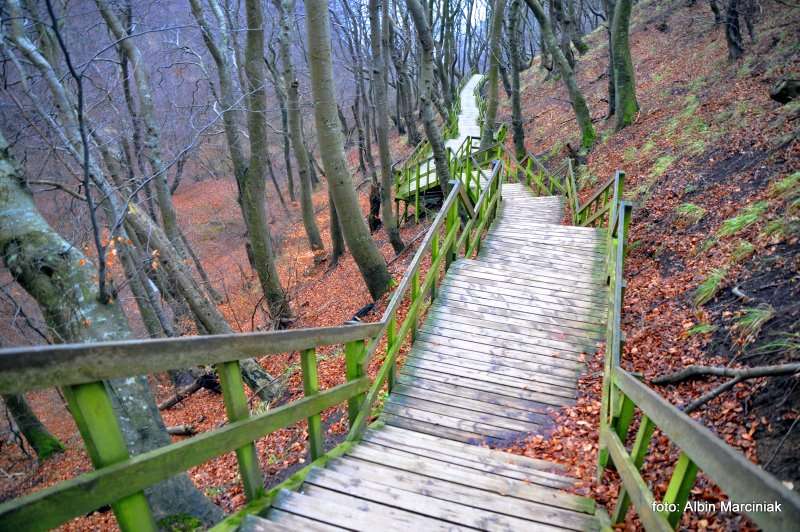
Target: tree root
[737,375]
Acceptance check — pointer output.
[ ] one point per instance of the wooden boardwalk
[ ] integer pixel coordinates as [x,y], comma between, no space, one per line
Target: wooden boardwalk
[503,342]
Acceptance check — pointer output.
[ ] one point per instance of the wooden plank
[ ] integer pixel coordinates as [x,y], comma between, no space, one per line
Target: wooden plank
[494,429]
[446,311]
[553,257]
[489,386]
[550,249]
[350,512]
[501,400]
[453,318]
[505,380]
[530,300]
[352,483]
[577,244]
[524,318]
[423,427]
[528,278]
[505,304]
[538,416]
[508,222]
[483,454]
[23,369]
[740,479]
[469,477]
[494,466]
[487,344]
[280,521]
[595,281]
[549,382]
[52,506]
[524,286]
[510,340]
[466,495]
[529,262]
[527,364]
[460,412]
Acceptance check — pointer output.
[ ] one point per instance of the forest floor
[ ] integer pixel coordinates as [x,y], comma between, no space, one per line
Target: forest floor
[708,146]
[711,165]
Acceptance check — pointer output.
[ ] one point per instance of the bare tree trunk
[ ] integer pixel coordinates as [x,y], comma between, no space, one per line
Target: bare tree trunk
[280,92]
[152,141]
[285,7]
[356,233]
[582,113]
[43,443]
[514,51]
[625,105]
[427,93]
[609,6]
[379,82]
[490,118]
[733,32]
[337,240]
[61,280]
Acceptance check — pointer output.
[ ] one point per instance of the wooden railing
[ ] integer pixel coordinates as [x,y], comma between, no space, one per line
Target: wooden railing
[700,449]
[119,479]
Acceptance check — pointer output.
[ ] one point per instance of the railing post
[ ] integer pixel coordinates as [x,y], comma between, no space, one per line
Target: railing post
[414,296]
[416,196]
[434,255]
[230,380]
[391,338]
[354,357]
[93,412]
[680,486]
[451,222]
[316,439]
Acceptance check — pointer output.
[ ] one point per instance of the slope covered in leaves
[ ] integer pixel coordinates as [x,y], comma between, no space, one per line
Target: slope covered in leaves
[713,265]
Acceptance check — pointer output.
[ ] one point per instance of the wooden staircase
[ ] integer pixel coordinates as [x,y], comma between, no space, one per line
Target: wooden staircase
[502,344]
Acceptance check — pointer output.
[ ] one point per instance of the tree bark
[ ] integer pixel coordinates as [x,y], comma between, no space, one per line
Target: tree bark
[356,233]
[733,32]
[60,279]
[427,93]
[43,443]
[514,51]
[378,38]
[625,105]
[285,7]
[490,118]
[582,113]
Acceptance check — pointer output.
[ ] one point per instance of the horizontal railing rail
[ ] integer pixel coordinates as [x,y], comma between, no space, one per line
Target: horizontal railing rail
[36,367]
[700,449]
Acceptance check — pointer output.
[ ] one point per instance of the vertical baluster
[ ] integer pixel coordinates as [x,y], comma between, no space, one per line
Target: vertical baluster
[680,485]
[391,339]
[230,380]
[316,440]
[414,297]
[416,196]
[354,355]
[93,412]
[434,256]
[451,225]
[638,452]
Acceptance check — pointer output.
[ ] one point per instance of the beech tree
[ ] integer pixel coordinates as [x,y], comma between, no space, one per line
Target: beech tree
[331,144]
[490,118]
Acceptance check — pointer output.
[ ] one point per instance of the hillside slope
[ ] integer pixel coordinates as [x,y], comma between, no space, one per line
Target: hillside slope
[710,165]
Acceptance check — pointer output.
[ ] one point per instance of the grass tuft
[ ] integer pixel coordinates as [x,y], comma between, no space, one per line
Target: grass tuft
[752,320]
[750,215]
[709,288]
[661,165]
[701,328]
[788,186]
[742,251]
[690,212]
